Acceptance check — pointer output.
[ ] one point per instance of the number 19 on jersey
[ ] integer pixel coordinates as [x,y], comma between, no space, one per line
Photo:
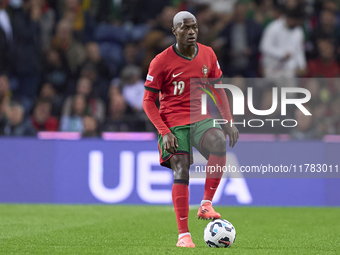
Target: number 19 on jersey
[179,87]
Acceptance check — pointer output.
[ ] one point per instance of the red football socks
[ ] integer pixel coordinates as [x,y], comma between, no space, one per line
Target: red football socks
[180,199]
[213,178]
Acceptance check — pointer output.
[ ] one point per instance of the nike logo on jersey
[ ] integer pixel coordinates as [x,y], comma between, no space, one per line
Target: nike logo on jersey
[183,218]
[175,75]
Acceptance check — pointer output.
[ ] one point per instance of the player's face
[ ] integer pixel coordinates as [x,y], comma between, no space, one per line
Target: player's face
[186,33]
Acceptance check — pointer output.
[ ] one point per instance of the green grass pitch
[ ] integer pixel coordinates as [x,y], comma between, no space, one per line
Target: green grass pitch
[111,229]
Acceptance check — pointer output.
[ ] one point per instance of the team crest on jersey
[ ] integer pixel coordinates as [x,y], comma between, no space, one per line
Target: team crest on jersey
[205,70]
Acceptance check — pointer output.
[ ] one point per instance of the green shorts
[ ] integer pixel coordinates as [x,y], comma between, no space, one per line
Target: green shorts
[188,136]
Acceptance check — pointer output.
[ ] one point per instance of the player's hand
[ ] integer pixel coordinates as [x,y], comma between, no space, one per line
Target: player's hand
[233,134]
[170,143]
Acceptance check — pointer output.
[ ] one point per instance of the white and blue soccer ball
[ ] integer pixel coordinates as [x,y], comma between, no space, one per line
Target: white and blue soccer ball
[219,233]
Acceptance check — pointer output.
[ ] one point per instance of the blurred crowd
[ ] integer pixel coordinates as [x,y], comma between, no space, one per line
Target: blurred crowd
[80,65]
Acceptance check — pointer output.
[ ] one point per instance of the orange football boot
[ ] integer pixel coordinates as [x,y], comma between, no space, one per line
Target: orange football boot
[207,212]
[185,241]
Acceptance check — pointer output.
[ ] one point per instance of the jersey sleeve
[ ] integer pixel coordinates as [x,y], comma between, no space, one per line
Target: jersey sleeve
[155,76]
[152,112]
[215,72]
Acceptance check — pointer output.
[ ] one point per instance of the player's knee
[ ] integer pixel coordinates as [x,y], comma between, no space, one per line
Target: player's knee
[182,174]
[180,168]
[215,141]
[181,171]
[219,144]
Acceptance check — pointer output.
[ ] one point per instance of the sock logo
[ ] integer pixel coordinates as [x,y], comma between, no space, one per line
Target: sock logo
[183,218]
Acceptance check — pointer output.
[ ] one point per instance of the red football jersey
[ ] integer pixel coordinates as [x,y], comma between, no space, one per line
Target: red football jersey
[169,74]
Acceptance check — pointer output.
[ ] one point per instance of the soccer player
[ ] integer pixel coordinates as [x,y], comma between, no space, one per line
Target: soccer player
[169,77]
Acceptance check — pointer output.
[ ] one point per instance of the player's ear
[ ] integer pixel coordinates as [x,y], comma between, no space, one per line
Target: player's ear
[174,31]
